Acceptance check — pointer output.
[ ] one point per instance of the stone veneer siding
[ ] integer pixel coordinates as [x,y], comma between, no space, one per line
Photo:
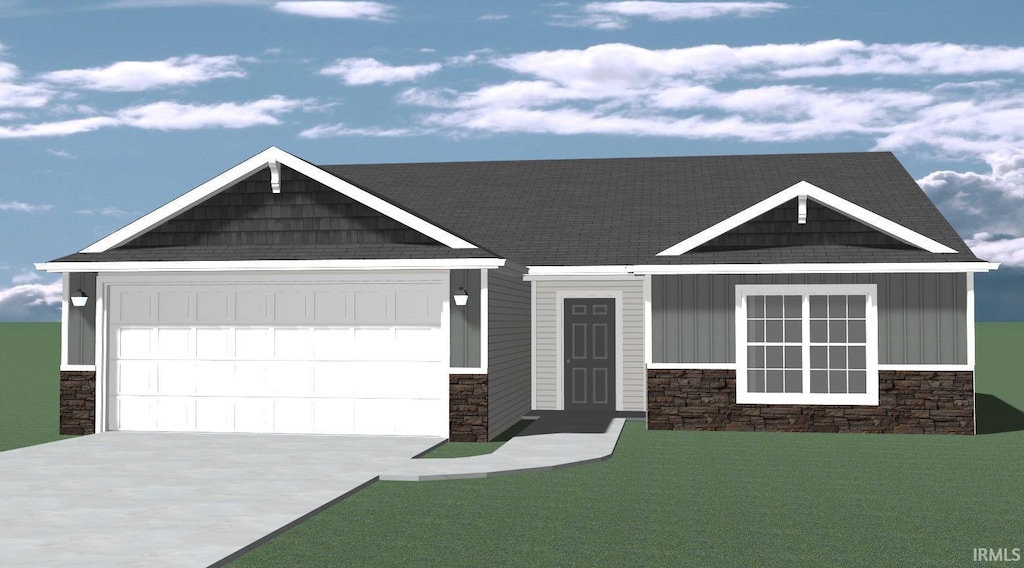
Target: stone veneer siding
[467,408]
[932,402]
[77,402]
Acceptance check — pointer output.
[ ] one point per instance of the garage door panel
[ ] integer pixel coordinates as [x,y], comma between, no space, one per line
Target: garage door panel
[135,377]
[255,343]
[331,344]
[254,414]
[293,415]
[213,307]
[333,416]
[292,307]
[174,343]
[332,358]
[254,307]
[293,343]
[134,343]
[331,307]
[176,378]
[215,414]
[290,378]
[216,378]
[176,307]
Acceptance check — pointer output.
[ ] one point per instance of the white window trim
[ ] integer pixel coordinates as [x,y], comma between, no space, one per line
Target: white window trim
[560,297]
[803,190]
[870,398]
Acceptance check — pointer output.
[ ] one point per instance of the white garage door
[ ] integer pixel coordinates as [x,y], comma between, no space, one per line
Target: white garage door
[350,357]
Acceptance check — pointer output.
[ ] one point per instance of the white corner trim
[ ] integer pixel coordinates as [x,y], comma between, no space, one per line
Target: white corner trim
[102,336]
[533,345]
[971,324]
[274,155]
[560,297]
[65,304]
[816,268]
[648,326]
[485,307]
[803,190]
[248,265]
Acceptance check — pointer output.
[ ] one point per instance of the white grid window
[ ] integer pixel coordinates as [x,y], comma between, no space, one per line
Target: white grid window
[806,344]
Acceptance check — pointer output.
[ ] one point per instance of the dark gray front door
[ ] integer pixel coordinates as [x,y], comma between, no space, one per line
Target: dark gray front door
[589,351]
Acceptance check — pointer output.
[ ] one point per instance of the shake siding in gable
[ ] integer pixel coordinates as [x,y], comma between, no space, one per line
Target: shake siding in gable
[633,382]
[508,357]
[922,318]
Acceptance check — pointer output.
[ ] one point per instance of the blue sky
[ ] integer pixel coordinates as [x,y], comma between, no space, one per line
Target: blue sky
[109,109]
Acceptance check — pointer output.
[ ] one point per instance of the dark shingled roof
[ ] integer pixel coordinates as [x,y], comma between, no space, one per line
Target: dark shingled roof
[626,210]
[612,211]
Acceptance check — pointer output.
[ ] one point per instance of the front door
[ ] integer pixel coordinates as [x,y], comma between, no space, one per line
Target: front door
[589,349]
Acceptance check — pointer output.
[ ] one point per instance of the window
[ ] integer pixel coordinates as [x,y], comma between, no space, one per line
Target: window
[806,344]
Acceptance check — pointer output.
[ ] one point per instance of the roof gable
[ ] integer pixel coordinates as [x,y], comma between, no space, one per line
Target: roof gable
[803,192]
[273,158]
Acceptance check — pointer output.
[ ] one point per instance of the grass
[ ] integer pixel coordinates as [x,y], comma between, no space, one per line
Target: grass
[466,449]
[671,498]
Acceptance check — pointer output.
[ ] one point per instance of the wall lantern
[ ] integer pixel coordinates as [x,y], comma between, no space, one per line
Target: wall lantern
[462,297]
[79,299]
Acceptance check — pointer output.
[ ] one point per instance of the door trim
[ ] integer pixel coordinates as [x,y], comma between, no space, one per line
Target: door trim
[560,297]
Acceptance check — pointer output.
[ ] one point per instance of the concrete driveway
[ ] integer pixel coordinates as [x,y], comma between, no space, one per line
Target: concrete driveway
[170,499]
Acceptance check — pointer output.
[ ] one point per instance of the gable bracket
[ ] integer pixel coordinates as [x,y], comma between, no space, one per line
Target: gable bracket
[801,217]
[275,176]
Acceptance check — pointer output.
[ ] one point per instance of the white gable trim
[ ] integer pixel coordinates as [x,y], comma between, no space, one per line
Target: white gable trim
[274,158]
[804,190]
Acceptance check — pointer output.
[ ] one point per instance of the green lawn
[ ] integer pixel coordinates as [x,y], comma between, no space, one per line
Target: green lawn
[671,498]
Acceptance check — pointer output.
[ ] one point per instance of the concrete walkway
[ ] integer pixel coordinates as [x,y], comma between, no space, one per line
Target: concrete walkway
[544,452]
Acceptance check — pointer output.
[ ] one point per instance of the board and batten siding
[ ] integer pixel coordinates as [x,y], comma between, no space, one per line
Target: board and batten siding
[508,349]
[922,318]
[465,320]
[546,379]
[81,332]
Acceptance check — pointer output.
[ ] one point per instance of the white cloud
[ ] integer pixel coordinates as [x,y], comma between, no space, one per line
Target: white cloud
[180,3]
[26,277]
[345,10]
[366,71]
[1006,251]
[983,203]
[23,207]
[132,76]
[61,154]
[24,96]
[615,15]
[31,302]
[340,129]
[105,211]
[493,17]
[176,116]
[168,115]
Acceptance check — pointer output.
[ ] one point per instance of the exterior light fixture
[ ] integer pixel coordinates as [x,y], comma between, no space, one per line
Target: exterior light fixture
[462,297]
[80,299]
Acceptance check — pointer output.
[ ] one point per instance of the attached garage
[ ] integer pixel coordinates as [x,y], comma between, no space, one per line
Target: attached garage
[341,353]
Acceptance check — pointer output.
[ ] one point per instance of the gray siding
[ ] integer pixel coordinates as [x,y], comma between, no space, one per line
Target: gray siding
[922,318]
[465,320]
[633,376]
[508,346]
[82,321]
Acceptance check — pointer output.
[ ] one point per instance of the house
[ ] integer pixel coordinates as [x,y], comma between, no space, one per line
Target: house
[813,292]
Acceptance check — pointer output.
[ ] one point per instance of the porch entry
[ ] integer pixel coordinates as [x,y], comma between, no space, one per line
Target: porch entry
[589,351]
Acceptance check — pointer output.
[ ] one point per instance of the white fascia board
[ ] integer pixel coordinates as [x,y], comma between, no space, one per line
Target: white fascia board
[819,268]
[621,270]
[268,157]
[274,265]
[805,189]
